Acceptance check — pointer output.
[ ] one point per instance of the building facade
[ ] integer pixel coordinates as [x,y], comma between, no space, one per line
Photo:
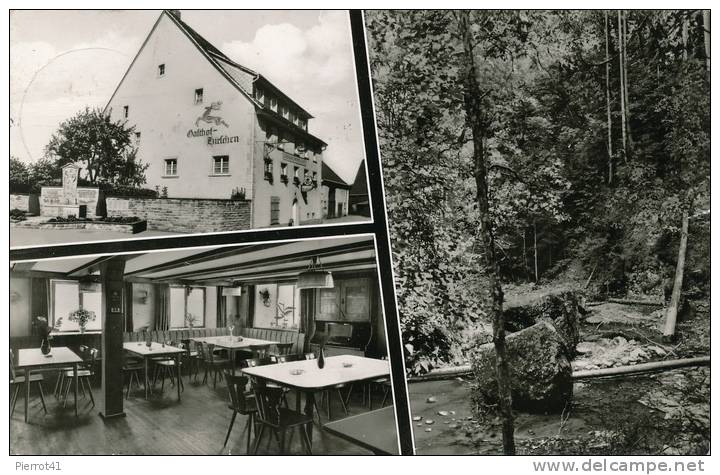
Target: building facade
[335,194]
[211,128]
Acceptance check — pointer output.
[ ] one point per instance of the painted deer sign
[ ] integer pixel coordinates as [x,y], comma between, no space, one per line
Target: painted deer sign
[209,118]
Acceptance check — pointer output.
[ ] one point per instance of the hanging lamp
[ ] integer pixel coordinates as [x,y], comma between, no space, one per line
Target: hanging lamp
[315,277]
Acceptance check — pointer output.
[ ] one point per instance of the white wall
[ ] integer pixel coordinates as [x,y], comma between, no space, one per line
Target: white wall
[20,318]
[163,110]
[143,309]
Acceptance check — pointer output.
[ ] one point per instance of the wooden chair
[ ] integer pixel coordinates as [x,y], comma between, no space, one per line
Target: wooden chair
[213,363]
[260,351]
[168,367]
[283,348]
[279,420]
[18,382]
[132,368]
[86,371]
[191,358]
[241,402]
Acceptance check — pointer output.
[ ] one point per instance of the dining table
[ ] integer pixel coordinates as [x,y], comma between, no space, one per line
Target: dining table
[374,430]
[306,377]
[30,359]
[155,350]
[233,344]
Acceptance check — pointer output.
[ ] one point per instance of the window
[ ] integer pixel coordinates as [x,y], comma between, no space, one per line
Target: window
[137,136]
[283,169]
[302,123]
[66,298]
[292,117]
[161,70]
[259,95]
[314,179]
[300,150]
[284,111]
[126,110]
[187,303]
[198,96]
[221,165]
[274,210]
[273,104]
[268,168]
[297,172]
[277,305]
[171,167]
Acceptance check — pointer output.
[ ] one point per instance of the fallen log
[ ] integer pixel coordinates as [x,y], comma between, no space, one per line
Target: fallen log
[641,368]
[655,303]
[671,316]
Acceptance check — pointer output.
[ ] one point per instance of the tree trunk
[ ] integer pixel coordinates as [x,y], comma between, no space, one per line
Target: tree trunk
[622,86]
[473,109]
[671,316]
[536,252]
[625,83]
[706,28]
[607,99]
[685,37]
[525,266]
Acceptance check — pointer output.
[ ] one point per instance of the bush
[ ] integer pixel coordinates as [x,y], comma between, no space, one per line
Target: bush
[121,219]
[127,191]
[17,214]
[23,187]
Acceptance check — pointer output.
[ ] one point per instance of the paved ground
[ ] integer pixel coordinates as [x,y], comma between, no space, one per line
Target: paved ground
[351,218]
[20,237]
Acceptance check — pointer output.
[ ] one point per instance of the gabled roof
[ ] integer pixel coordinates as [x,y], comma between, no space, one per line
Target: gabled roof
[329,175]
[359,186]
[226,66]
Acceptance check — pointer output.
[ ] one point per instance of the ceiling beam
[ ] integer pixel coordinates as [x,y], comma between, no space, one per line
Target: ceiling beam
[87,267]
[330,251]
[289,272]
[217,253]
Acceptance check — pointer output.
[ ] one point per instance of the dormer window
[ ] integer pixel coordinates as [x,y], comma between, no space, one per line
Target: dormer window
[259,95]
[161,70]
[273,104]
[198,96]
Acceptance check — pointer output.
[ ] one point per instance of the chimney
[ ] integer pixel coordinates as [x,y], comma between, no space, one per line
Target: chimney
[176,14]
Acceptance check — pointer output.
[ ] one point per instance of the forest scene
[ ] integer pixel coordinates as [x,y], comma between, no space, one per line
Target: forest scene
[547,177]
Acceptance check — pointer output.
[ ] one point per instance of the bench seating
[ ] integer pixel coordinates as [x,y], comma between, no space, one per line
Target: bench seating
[282,336]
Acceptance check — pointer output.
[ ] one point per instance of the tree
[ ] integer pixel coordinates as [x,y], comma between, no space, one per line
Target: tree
[105,149]
[19,172]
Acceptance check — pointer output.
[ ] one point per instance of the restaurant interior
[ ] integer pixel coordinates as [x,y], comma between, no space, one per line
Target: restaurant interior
[265,348]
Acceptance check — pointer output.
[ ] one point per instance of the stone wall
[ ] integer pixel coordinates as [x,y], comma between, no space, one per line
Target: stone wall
[184,215]
[29,203]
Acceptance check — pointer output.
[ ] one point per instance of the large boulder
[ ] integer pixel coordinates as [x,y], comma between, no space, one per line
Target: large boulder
[561,308]
[539,365]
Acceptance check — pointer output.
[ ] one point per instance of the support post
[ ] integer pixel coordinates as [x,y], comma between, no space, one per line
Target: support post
[112,273]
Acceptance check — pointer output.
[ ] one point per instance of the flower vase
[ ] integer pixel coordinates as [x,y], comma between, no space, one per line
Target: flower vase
[321,358]
[148,340]
[82,329]
[45,347]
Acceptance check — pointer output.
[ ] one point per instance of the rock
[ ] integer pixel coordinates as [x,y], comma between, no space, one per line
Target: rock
[429,422]
[560,308]
[431,399]
[429,429]
[443,413]
[417,418]
[539,365]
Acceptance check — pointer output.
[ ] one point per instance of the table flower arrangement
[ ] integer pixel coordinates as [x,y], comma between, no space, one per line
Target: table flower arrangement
[82,317]
[44,329]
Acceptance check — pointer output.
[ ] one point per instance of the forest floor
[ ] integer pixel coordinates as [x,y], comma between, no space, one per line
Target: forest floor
[660,413]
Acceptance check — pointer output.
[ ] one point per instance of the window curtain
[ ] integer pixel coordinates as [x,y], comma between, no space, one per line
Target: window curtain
[128,306]
[162,307]
[40,301]
[221,313]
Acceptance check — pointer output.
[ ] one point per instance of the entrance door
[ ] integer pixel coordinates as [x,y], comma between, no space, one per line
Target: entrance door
[295,213]
[331,203]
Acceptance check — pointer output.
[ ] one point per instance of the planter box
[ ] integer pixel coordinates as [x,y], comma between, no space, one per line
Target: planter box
[129,228]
